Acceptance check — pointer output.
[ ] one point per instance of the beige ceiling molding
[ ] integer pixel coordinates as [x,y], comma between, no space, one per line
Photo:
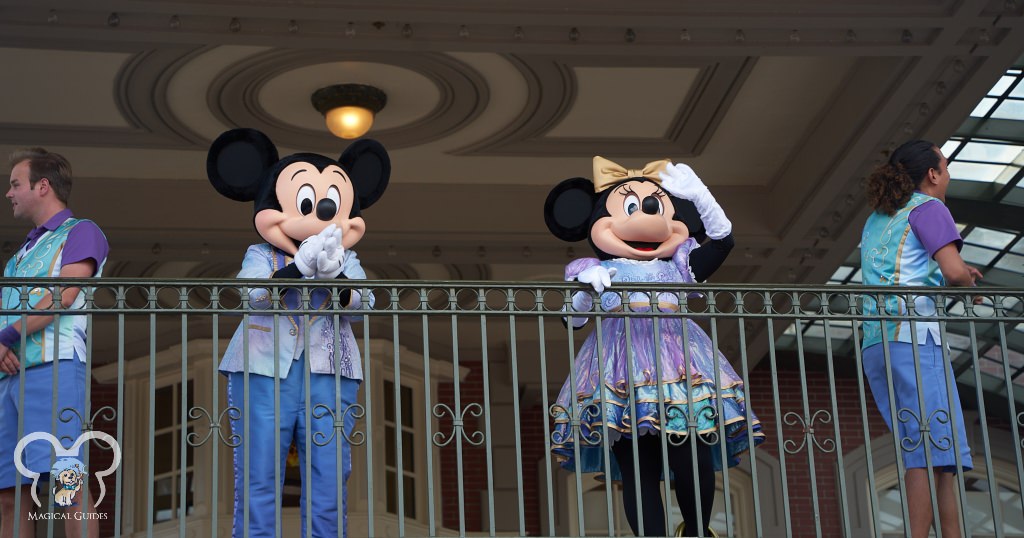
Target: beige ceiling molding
[462,95]
[552,89]
[138,90]
[142,94]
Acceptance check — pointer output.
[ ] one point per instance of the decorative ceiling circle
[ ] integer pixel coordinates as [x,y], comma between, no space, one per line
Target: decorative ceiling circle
[429,97]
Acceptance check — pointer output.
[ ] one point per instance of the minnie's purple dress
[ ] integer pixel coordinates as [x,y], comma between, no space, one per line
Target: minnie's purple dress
[611,370]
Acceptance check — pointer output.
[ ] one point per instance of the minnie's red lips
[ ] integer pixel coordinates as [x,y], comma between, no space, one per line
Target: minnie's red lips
[643,246]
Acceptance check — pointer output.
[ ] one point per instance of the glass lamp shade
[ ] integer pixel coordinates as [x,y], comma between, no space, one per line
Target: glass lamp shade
[349,121]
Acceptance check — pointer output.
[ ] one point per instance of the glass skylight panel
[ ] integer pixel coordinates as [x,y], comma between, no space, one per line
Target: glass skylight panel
[978,172]
[1018,90]
[983,107]
[950,146]
[841,273]
[957,341]
[989,238]
[1009,109]
[1002,85]
[1014,358]
[978,255]
[1011,262]
[989,152]
[1018,247]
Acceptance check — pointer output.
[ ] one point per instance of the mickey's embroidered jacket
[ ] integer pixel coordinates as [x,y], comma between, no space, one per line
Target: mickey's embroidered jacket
[261,261]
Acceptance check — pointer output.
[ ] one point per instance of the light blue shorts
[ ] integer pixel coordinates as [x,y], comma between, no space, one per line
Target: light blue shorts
[936,400]
[40,415]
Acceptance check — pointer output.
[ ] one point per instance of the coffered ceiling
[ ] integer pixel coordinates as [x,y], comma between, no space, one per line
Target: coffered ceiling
[781,107]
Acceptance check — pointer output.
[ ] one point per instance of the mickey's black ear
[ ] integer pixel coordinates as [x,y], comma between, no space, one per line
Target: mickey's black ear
[687,213]
[237,162]
[369,167]
[568,208]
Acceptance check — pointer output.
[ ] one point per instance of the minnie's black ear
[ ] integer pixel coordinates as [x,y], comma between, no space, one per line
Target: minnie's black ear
[369,167]
[237,161]
[568,208]
[687,213]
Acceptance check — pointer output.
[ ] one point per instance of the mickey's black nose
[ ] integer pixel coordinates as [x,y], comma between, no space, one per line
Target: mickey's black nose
[651,205]
[326,209]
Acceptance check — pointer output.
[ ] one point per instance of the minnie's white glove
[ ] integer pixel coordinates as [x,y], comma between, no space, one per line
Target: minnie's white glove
[597,276]
[681,181]
[328,261]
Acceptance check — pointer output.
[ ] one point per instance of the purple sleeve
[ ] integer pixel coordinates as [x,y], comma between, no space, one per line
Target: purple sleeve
[681,257]
[933,225]
[576,267]
[85,241]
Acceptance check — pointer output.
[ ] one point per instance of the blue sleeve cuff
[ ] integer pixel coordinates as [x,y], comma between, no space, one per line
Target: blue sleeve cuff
[10,336]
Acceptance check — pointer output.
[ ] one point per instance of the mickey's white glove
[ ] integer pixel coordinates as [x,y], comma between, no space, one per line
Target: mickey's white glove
[306,257]
[328,261]
[681,181]
[597,276]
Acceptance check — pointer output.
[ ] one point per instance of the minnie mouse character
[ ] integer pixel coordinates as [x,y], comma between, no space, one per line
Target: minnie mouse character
[647,226]
[307,209]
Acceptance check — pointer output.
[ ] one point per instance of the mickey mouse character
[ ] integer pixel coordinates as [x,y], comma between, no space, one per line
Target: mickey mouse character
[647,226]
[307,209]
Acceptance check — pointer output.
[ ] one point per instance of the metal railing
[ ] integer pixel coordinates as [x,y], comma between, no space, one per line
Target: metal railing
[456,416]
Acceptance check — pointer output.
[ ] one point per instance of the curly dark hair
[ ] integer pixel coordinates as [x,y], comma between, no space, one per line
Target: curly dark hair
[890,186]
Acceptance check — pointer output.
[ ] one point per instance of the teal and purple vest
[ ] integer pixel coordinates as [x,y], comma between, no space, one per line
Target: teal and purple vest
[43,260]
[892,255]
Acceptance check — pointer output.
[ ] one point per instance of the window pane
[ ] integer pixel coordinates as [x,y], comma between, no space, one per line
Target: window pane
[392,493]
[1018,247]
[189,449]
[841,273]
[1011,262]
[995,153]
[950,146]
[389,446]
[983,107]
[191,398]
[164,407]
[407,417]
[389,401]
[1018,90]
[1002,85]
[163,499]
[409,493]
[408,452]
[975,171]
[989,238]
[1010,110]
[163,453]
[190,487]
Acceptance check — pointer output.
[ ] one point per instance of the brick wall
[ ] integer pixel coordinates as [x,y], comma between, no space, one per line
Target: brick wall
[99,458]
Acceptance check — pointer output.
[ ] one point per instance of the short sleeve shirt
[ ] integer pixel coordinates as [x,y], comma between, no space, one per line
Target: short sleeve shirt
[933,225]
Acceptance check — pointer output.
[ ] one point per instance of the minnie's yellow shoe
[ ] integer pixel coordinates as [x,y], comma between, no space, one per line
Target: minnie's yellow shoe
[681,529]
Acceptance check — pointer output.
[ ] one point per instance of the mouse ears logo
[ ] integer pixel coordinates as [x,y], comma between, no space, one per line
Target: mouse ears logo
[68,471]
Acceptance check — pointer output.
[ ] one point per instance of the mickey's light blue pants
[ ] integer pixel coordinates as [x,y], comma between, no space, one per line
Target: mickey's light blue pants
[295,420]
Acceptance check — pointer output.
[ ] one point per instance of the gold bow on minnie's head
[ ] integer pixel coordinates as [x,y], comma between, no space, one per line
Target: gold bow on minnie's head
[607,173]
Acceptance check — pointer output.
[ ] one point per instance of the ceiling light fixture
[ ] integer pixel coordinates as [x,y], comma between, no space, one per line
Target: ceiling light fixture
[349,108]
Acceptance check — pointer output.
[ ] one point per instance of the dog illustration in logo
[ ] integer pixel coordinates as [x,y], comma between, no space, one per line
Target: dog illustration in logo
[70,474]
